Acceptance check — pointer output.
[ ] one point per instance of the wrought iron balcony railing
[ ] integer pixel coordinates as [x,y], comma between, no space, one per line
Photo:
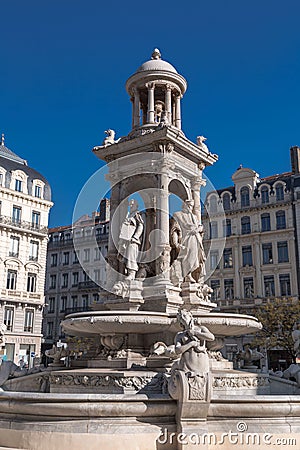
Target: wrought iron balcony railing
[5,220]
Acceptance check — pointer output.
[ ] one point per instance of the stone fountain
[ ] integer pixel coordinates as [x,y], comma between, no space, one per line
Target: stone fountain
[148,371]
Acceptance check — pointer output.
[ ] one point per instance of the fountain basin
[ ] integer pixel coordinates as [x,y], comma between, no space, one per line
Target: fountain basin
[93,323]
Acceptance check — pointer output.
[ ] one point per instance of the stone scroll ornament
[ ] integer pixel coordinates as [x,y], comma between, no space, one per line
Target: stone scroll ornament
[190,375]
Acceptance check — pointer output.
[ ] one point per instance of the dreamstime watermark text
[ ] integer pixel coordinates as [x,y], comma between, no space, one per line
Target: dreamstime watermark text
[240,436]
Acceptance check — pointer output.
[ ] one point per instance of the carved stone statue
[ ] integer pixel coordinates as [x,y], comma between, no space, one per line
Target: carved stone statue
[186,241]
[190,344]
[249,355]
[110,138]
[130,240]
[200,143]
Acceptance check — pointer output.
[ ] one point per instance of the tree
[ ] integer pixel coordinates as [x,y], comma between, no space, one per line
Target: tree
[278,318]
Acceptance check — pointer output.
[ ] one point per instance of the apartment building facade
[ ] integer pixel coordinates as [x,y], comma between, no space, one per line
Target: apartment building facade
[252,240]
[75,270]
[25,202]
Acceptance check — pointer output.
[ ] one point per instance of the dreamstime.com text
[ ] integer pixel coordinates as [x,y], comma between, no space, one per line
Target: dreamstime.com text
[239,437]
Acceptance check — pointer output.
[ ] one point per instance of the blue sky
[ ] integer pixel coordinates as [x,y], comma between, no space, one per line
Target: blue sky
[64,65]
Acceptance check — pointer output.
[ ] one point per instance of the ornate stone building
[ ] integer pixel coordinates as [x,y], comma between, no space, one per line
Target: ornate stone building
[25,202]
[252,239]
[70,285]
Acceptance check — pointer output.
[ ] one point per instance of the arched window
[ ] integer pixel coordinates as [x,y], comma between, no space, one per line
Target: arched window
[279,192]
[226,202]
[246,227]
[245,197]
[264,194]
[280,220]
[213,204]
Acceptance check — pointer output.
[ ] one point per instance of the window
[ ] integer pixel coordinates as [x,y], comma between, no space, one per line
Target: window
[86,276]
[14,246]
[248,287]
[75,276]
[285,285]
[86,254]
[267,253]
[51,305]
[215,285]
[63,304]
[37,191]
[9,317]
[97,274]
[65,280]
[226,227]
[246,227]
[34,250]
[228,288]
[226,202]
[1,179]
[265,222]
[75,257]
[247,255]
[50,328]
[74,302]
[269,286]
[97,254]
[52,282]
[11,281]
[66,258]
[53,260]
[280,220]
[16,214]
[85,301]
[35,219]
[213,230]
[283,253]
[227,258]
[18,185]
[264,195]
[214,259]
[279,192]
[28,323]
[95,297]
[31,282]
[245,197]
[213,204]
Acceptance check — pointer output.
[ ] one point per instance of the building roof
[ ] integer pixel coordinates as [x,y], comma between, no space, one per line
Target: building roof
[10,161]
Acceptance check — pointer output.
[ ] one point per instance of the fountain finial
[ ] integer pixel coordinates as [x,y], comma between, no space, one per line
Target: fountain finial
[156,54]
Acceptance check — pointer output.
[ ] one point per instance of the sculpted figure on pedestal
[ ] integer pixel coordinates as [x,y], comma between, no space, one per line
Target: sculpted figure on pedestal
[186,242]
[130,240]
[296,339]
[110,138]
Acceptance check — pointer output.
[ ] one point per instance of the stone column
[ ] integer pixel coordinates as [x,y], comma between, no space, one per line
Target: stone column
[197,182]
[136,109]
[178,112]
[163,263]
[150,113]
[132,121]
[168,103]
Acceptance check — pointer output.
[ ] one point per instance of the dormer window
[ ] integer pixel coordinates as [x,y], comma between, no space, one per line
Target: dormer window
[226,202]
[213,204]
[18,185]
[37,191]
[1,179]
[264,195]
[279,192]
[245,197]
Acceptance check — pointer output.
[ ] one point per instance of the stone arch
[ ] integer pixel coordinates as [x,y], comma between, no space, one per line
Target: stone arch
[178,188]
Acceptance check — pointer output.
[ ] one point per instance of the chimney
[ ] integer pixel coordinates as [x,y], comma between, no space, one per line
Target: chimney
[295,159]
[104,210]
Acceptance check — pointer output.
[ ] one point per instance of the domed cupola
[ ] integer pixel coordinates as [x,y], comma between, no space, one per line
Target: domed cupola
[156,89]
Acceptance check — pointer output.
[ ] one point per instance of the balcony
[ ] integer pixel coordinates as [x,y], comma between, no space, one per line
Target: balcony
[87,285]
[76,309]
[22,224]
